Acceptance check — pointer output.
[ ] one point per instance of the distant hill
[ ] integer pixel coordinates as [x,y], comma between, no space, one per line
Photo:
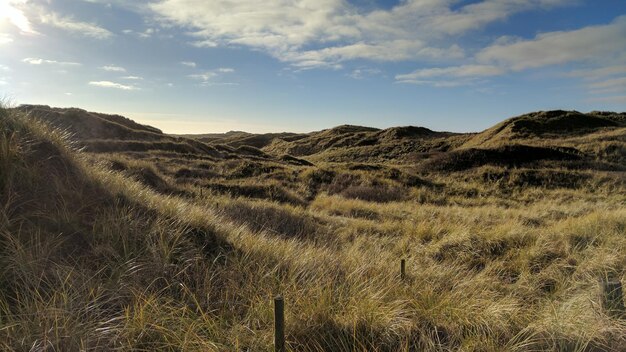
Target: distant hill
[88,125]
[357,143]
[547,124]
[103,133]
[210,137]
[598,136]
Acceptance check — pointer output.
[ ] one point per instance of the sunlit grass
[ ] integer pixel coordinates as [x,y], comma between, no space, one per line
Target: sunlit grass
[92,260]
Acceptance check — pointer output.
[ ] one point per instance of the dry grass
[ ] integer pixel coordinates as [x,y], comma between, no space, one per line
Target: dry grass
[92,259]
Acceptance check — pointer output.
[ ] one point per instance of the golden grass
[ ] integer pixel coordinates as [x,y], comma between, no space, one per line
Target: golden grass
[92,260]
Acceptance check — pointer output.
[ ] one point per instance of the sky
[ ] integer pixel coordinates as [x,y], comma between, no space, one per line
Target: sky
[200,66]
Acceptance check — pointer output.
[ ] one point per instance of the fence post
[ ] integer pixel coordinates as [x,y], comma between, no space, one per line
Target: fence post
[402,269]
[279,324]
[613,297]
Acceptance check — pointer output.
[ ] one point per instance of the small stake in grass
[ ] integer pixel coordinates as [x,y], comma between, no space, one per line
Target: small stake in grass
[613,297]
[402,269]
[279,324]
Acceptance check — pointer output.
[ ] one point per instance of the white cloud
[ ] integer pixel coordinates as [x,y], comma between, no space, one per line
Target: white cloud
[454,71]
[361,73]
[477,15]
[593,44]
[12,11]
[397,50]
[205,76]
[69,24]
[133,78]
[188,63]
[204,44]
[208,78]
[109,84]
[113,68]
[453,76]
[412,30]
[599,50]
[147,33]
[37,61]
[4,68]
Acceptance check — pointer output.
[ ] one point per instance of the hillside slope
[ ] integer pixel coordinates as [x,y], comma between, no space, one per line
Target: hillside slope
[547,124]
[498,256]
[83,254]
[598,135]
[102,133]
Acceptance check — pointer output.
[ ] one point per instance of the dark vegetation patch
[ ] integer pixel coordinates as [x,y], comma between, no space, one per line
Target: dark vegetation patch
[473,252]
[617,117]
[109,146]
[355,186]
[540,260]
[614,152]
[168,158]
[559,122]
[295,161]
[313,179]
[395,133]
[149,177]
[365,167]
[224,148]
[144,173]
[200,173]
[238,168]
[252,151]
[508,156]
[581,165]
[402,150]
[338,137]
[257,140]
[321,333]
[271,192]
[275,220]
[379,184]
[537,178]
[374,193]
[581,242]
[348,129]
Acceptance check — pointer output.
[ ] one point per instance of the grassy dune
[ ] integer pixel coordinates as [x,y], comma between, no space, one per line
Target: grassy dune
[184,249]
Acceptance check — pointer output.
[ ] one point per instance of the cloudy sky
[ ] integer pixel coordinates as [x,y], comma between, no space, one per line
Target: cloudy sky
[193,66]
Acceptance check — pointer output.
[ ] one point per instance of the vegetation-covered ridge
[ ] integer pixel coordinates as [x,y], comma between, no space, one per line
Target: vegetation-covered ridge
[115,236]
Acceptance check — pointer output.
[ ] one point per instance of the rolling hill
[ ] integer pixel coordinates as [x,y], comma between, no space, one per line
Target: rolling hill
[115,236]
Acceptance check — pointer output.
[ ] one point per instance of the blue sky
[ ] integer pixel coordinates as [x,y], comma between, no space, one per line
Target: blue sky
[194,66]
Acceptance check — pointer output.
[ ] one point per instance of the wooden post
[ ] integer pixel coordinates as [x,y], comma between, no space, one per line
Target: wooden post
[402,269]
[613,297]
[279,324]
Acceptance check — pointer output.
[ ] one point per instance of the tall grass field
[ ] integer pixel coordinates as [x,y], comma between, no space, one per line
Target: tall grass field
[122,238]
